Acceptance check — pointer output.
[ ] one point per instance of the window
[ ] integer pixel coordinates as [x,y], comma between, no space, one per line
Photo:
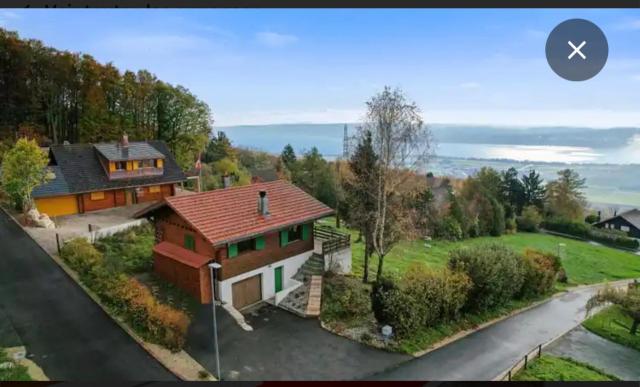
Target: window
[624,228]
[121,165]
[189,242]
[159,163]
[245,246]
[295,233]
[154,189]
[147,163]
[97,195]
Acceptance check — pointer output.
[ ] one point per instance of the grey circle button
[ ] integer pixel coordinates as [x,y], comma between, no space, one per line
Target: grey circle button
[577,50]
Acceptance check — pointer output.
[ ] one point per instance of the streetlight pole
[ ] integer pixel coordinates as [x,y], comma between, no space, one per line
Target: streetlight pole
[212,268]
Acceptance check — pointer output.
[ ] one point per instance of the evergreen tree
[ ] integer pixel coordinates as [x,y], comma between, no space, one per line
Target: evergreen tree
[512,192]
[288,157]
[218,148]
[533,189]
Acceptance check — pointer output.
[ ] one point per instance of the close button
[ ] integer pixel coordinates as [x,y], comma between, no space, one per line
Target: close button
[577,50]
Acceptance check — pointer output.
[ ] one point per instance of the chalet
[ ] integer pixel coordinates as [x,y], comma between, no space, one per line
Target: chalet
[261,234]
[628,221]
[91,177]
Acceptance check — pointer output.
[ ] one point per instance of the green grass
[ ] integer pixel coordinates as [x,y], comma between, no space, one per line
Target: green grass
[129,251]
[551,368]
[583,262]
[16,373]
[612,324]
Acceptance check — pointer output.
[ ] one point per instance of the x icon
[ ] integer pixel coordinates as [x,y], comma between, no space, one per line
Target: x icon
[576,50]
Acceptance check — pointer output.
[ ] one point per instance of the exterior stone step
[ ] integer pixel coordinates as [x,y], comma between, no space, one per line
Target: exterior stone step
[315,297]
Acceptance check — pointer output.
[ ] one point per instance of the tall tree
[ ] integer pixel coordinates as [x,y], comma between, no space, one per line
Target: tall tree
[288,157]
[360,193]
[23,169]
[218,148]
[314,175]
[402,143]
[512,192]
[564,196]
[533,189]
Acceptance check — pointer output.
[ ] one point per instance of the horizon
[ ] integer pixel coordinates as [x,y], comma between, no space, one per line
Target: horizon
[261,67]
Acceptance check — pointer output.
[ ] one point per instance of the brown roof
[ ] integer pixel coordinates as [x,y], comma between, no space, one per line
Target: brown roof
[180,254]
[231,214]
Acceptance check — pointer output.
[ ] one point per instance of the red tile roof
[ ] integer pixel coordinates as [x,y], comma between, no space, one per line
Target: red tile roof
[231,214]
[180,254]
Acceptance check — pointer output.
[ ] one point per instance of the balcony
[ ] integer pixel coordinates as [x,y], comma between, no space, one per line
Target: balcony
[136,173]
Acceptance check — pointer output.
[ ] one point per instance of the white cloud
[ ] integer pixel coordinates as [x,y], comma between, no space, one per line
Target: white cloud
[274,39]
[470,85]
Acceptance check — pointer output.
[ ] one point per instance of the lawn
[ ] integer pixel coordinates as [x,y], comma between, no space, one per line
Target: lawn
[15,373]
[551,368]
[612,324]
[584,263]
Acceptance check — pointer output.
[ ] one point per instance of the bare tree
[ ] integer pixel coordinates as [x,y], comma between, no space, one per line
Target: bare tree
[403,146]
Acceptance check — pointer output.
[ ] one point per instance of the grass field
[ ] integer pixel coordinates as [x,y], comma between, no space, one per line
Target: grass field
[613,325]
[584,263]
[551,368]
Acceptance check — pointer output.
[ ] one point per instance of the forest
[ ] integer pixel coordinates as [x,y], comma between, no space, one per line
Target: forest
[58,96]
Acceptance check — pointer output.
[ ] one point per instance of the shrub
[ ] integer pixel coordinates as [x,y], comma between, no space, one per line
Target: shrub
[130,250]
[401,309]
[378,291]
[498,225]
[510,225]
[443,293]
[614,238]
[345,298]
[448,228]
[540,273]
[578,229]
[530,219]
[82,257]
[496,273]
[591,218]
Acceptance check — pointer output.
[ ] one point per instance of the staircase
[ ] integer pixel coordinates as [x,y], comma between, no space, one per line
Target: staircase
[297,301]
[313,266]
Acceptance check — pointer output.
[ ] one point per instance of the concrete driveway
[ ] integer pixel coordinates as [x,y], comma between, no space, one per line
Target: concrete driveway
[64,331]
[282,346]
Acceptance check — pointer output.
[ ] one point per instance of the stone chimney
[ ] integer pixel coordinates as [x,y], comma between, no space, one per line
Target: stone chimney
[125,140]
[263,204]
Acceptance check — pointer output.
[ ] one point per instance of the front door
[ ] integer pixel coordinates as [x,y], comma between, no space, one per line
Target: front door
[129,197]
[278,273]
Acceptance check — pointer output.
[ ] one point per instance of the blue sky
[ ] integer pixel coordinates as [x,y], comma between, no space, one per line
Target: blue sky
[277,66]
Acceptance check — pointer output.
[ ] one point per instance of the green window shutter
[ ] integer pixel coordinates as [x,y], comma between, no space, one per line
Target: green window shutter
[189,242]
[284,238]
[232,250]
[260,242]
[306,231]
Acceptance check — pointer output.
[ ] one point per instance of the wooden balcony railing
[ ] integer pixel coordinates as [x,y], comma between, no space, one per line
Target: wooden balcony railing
[332,240]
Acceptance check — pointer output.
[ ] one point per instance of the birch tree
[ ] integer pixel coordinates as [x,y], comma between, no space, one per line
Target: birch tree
[403,145]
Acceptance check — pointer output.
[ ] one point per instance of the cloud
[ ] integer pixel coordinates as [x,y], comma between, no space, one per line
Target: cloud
[274,39]
[470,85]
[6,17]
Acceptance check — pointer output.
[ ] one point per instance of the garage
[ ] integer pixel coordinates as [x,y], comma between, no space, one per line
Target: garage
[247,292]
[57,205]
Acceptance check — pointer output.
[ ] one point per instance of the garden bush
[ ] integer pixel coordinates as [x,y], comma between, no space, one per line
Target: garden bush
[530,219]
[345,298]
[378,291]
[540,273]
[126,296]
[448,228]
[401,309]
[496,273]
[577,229]
[129,251]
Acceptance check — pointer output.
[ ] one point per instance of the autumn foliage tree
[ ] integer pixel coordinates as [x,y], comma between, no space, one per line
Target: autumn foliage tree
[23,169]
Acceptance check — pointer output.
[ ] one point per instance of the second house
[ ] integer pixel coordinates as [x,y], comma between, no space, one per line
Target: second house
[261,234]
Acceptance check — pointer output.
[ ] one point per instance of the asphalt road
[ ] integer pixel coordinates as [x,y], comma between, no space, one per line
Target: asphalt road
[64,331]
[485,354]
[587,347]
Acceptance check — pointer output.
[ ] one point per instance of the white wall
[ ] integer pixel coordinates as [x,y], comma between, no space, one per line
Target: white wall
[291,266]
[338,261]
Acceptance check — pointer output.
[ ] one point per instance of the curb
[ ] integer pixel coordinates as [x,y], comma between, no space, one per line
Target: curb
[96,300]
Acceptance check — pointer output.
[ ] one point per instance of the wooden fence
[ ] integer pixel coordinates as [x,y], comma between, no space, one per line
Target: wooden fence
[332,239]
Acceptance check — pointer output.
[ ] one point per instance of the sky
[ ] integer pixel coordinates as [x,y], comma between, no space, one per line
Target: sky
[269,66]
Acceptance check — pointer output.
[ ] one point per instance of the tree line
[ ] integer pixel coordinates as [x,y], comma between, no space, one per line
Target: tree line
[58,96]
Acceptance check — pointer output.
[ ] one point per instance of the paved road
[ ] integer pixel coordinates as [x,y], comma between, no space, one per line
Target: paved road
[64,331]
[282,346]
[587,347]
[485,354]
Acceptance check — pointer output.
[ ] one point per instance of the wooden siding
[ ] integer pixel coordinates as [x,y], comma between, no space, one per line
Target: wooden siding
[254,259]
[195,281]
[172,228]
[108,201]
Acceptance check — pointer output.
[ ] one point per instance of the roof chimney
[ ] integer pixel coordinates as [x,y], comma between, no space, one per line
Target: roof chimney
[125,140]
[263,204]
[226,181]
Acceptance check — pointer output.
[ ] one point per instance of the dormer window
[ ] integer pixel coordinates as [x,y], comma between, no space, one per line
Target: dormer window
[121,165]
[147,164]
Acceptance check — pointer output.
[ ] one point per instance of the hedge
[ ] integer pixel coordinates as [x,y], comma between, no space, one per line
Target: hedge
[127,297]
[614,238]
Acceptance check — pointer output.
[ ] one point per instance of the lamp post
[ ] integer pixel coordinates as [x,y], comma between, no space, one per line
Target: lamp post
[213,267]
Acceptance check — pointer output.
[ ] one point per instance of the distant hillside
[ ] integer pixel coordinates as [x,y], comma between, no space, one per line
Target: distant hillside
[328,137]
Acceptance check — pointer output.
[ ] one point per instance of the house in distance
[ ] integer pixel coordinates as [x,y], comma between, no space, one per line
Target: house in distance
[91,177]
[261,234]
[628,221]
